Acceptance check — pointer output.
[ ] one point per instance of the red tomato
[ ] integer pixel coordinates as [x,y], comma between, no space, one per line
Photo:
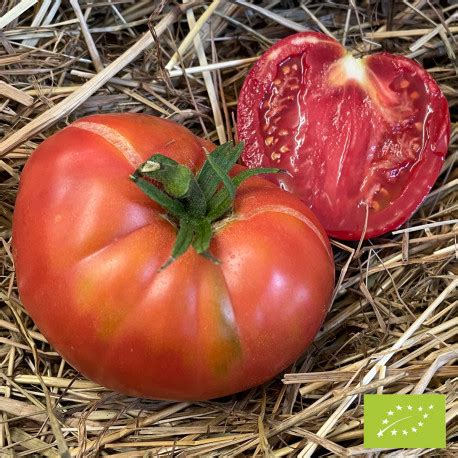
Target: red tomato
[358,136]
[88,244]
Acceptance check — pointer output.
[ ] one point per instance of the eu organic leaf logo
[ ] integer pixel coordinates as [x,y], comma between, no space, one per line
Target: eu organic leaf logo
[404,421]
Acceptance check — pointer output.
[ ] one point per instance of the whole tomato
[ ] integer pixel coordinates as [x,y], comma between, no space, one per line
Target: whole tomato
[363,139]
[89,246]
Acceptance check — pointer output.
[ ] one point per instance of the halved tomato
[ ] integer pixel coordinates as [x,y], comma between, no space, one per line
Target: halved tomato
[361,138]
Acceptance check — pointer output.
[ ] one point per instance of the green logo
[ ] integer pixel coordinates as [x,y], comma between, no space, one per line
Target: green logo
[404,421]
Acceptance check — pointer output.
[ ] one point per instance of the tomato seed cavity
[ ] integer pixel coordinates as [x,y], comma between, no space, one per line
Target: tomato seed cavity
[279,107]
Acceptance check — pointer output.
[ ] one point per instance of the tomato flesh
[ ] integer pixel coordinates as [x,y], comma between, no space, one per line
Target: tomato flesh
[359,137]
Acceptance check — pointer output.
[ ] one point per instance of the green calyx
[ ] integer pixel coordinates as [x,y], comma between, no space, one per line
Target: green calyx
[194,202]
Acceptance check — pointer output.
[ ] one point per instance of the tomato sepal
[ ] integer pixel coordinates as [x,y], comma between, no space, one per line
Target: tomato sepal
[195,202]
[221,202]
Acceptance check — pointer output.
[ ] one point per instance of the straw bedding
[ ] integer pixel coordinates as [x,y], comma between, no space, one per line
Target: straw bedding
[393,323]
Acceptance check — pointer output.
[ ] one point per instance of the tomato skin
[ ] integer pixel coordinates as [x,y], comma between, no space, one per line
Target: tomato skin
[357,136]
[87,248]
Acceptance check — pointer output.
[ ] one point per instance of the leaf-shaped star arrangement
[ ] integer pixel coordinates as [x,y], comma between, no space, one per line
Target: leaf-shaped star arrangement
[404,420]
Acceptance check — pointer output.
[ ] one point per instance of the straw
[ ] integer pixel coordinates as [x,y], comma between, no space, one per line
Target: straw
[392,327]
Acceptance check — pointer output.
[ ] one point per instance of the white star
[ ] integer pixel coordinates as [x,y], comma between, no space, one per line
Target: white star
[431,407]
[409,407]
[425,415]
[414,429]
[398,407]
[390,412]
[420,409]
[380,433]
[394,432]
[420,423]
[385,422]
[405,432]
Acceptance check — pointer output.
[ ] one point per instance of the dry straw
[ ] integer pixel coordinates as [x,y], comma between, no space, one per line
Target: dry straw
[393,325]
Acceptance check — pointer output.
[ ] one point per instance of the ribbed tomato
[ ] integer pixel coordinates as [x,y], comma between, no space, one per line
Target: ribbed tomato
[88,245]
[359,137]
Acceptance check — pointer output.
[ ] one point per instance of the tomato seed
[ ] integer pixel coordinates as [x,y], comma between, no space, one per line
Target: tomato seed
[271,130]
[269,140]
[414,95]
[282,132]
[284,149]
[374,206]
[275,156]
[404,84]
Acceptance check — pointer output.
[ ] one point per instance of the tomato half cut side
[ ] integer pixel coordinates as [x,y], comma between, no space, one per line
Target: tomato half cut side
[360,138]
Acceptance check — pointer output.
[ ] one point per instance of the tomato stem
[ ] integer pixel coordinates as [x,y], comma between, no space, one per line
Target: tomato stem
[195,202]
